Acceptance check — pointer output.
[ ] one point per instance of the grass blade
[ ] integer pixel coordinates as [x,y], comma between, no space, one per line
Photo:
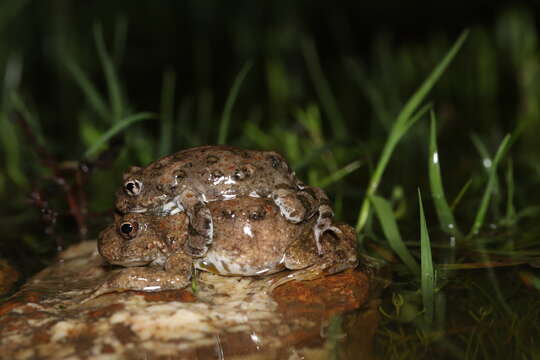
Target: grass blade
[115,129]
[12,151]
[428,272]
[395,135]
[91,93]
[492,178]
[167,112]
[510,209]
[461,193]
[444,213]
[322,87]
[402,123]
[486,161]
[390,229]
[113,84]
[30,117]
[371,92]
[226,117]
[339,174]
[8,136]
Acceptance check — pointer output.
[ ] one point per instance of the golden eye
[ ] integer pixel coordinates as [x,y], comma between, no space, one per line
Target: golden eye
[133,187]
[128,230]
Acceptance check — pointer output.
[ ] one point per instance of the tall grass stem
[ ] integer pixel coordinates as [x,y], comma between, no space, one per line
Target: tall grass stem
[405,119]
[231,99]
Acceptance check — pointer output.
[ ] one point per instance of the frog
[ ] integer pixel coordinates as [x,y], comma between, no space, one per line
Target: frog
[190,179]
[251,239]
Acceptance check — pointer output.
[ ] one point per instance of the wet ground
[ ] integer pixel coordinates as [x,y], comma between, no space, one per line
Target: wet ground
[227,317]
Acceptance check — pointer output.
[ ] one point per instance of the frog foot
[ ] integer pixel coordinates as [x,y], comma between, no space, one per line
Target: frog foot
[98,291]
[146,279]
[324,224]
[114,283]
[310,273]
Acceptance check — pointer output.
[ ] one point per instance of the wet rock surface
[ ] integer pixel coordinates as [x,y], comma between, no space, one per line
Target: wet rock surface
[227,317]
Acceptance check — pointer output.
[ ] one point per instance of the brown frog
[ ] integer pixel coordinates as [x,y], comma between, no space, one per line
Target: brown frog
[251,239]
[190,179]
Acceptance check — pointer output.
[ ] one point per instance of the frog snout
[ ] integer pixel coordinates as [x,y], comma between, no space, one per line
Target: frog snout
[109,244]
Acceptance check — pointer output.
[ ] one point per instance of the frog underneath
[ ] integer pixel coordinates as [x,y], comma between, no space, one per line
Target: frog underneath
[251,239]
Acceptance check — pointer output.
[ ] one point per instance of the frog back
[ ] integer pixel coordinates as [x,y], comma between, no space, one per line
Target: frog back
[221,172]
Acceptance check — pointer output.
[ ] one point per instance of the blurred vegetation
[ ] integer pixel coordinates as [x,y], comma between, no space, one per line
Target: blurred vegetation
[91,88]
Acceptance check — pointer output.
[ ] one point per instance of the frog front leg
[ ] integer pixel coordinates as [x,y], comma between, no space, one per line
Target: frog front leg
[294,206]
[200,222]
[175,274]
[325,214]
[300,204]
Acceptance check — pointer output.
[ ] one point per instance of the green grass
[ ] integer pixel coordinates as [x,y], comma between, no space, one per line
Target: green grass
[227,110]
[116,102]
[114,130]
[409,114]
[490,187]
[389,226]
[322,87]
[91,93]
[428,279]
[444,212]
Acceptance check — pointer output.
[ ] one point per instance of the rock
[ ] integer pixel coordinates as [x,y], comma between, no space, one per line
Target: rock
[228,317]
[8,277]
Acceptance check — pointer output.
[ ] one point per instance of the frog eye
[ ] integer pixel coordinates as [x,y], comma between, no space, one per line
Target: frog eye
[133,187]
[128,229]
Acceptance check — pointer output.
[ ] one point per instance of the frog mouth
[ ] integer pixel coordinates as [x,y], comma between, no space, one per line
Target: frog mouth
[131,263]
[139,210]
